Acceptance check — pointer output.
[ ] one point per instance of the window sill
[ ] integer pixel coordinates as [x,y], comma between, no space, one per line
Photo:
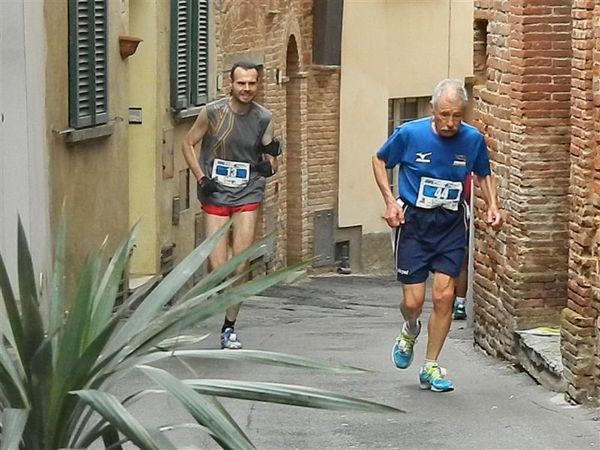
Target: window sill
[72,135]
[187,113]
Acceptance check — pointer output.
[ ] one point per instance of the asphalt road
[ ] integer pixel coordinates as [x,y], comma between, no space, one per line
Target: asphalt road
[354,320]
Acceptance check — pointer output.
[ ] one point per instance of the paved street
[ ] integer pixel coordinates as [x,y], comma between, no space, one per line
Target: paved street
[353,320]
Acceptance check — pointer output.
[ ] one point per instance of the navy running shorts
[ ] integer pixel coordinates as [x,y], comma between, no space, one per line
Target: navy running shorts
[430,240]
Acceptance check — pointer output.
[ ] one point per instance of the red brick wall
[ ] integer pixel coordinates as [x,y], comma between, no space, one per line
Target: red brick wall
[323,133]
[264,27]
[522,103]
[536,103]
[579,326]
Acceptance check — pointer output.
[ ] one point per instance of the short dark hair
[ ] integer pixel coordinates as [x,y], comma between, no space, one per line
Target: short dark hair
[244,65]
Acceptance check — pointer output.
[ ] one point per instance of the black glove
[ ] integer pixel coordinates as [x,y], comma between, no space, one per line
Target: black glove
[264,168]
[207,186]
[273,148]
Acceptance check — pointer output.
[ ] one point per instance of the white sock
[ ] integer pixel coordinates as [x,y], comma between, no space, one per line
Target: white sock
[461,300]
[409,330]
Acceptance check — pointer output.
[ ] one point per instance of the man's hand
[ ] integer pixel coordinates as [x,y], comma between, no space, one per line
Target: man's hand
[207,186]
[264,168]
[273,148]
[394,215]
[494,218]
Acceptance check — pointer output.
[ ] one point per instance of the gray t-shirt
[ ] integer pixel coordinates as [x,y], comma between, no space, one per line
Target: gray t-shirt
[234,137]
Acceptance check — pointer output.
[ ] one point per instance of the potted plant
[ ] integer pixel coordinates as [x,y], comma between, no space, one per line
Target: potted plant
[55,374]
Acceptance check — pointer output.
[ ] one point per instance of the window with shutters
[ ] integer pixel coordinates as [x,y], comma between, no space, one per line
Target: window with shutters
[88,99]
[189,53]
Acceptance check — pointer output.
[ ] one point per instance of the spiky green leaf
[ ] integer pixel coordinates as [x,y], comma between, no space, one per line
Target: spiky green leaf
[109,407]
[104,297]
[260,357]
[165,291]
[15,328]
[205,410]
[216,276]
[287,394]
[57,295]
[13,425]
[13,379]
[33,327]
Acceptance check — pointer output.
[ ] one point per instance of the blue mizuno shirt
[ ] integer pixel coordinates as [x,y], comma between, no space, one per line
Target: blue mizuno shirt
[433,168]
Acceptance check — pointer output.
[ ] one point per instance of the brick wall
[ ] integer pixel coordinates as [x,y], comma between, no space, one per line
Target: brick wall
[522,103]
[579,327]
[305,107]
[535,101]
[323,133]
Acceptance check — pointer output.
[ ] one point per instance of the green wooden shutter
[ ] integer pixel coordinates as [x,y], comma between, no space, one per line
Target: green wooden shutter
[88,102]
[199,44]
[180,53]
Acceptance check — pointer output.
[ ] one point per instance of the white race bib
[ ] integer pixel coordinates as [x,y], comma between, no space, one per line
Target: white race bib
[434,193]
[230,173]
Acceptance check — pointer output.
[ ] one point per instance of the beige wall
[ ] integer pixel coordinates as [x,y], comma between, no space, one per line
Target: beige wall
[410,46]
[91,176]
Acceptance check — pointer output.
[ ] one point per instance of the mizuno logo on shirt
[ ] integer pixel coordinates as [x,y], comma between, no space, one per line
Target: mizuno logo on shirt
[423,157]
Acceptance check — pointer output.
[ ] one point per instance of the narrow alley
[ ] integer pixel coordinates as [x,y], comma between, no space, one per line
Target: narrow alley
[353,320]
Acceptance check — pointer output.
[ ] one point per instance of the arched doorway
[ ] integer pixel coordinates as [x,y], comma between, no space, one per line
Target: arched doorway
[293,156]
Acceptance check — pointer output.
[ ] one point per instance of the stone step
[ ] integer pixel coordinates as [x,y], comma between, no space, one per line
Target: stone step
[539,355]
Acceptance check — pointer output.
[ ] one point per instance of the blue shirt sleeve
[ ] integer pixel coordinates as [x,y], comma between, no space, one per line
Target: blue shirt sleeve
[392,150]
[481,167]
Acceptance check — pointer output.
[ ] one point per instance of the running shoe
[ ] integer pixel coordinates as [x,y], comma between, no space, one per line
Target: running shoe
[402,351]
[432,377]
[459,312]
[229,340]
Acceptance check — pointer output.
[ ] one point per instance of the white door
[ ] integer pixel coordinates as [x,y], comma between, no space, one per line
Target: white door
[23,159]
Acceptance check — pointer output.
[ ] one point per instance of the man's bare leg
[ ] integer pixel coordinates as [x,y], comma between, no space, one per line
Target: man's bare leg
[461,288]
[413,297]
[412,303]
[212,223]
[244,233]
[441,315]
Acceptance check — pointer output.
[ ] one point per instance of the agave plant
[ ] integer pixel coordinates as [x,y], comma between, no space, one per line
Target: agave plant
[56,374]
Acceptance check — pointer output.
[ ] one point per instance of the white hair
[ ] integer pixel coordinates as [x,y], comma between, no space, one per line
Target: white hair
[452,87]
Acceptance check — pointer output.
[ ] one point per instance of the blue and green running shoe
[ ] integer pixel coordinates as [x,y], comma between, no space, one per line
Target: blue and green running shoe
[229,340]
[402,351]
[458,311]
[432,377]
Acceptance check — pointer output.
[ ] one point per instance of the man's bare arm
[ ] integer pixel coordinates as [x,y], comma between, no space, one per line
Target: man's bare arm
[381,178]
[393,213]
[193,138]
[488,187]
[266,139]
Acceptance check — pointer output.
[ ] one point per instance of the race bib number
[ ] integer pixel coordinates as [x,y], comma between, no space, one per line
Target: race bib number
[434,193]
[230,173]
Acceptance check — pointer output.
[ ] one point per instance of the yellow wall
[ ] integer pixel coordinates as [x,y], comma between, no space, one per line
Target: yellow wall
[390,48]
[150,191]
[142,139]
